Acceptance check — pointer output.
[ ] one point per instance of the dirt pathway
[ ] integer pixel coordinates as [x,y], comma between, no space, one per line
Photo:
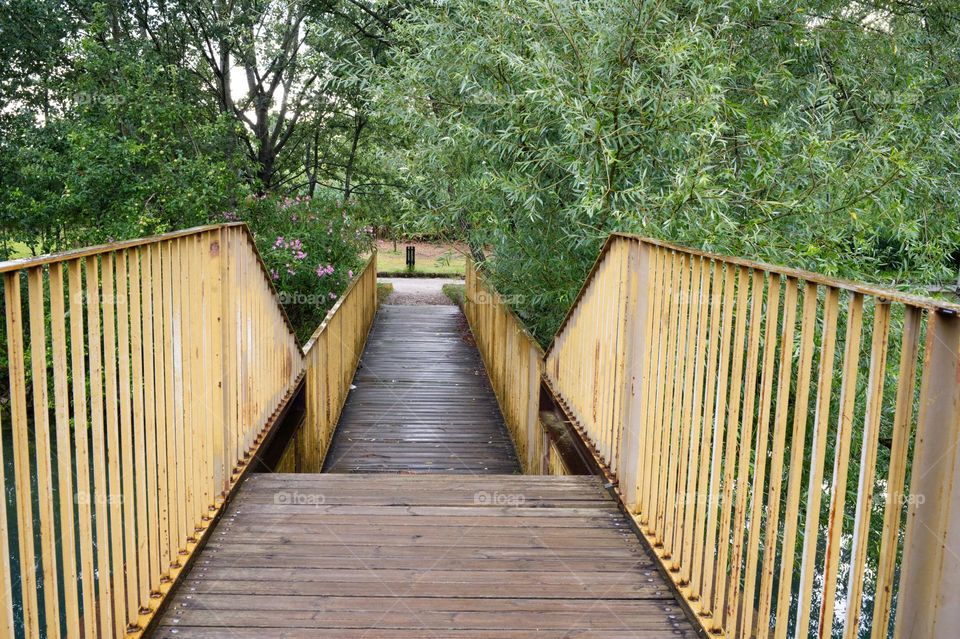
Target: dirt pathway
[417,291]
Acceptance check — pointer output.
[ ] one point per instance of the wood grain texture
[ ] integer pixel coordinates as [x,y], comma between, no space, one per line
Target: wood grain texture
[422,401]
[338,555]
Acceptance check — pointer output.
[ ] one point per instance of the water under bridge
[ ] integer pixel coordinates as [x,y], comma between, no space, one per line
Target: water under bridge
[707,446]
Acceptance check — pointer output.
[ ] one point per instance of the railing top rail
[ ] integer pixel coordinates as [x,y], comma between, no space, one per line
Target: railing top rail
[886,294]
[520,323]
[87,251]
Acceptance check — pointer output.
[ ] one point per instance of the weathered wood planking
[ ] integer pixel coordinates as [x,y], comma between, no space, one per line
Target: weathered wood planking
[422,401]
[349,556]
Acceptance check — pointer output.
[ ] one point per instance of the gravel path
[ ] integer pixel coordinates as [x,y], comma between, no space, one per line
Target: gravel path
[417,291]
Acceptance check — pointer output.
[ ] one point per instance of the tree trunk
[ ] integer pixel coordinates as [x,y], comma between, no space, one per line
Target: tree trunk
[359,123]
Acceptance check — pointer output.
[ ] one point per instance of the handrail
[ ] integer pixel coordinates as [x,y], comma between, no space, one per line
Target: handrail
[514,362]
[891,295]
[331,357]
[23,263]
[168,357]
[763,426]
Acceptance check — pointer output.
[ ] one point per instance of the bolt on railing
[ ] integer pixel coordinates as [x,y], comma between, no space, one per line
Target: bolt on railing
[163,360]
[787,443]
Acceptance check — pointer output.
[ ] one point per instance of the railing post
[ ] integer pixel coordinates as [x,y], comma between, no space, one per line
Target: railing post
[230,335]
[533,465]
[635,313]
[215,330]
[931,554]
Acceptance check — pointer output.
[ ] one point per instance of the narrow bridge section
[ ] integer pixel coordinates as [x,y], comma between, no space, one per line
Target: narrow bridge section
[454,543]
[422,401]
[350,556]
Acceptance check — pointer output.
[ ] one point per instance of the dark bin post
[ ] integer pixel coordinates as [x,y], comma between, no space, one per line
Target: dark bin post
[411,257]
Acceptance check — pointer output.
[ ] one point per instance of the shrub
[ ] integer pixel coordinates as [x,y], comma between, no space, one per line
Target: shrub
[313,248]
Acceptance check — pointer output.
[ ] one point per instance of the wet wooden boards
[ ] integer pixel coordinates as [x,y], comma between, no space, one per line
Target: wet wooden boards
[407,557]
[422,401]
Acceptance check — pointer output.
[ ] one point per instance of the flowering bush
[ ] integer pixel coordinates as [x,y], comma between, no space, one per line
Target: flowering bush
[312,247]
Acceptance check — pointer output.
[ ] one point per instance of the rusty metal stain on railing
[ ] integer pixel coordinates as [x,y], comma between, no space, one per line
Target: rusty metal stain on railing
[732,401]
[154,377]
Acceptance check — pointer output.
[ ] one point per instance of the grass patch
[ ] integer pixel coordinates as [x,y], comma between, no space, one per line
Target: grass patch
[456,293]
[383,291]
[419,275]
[432,260]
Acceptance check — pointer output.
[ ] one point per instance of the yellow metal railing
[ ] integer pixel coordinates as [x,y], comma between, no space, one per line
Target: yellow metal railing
[514,363]
[331,358]
[763,425]
[163,360]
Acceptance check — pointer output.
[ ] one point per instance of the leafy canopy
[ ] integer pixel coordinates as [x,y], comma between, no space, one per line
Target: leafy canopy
[820,135]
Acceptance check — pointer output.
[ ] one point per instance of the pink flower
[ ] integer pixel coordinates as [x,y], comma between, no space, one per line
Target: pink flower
[332,295]
[274,274]
[321,271]
[291,271]
[300,255]
[350,274]
[280,243]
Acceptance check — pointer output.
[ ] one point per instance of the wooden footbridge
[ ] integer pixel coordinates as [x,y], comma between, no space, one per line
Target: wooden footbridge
[708,446]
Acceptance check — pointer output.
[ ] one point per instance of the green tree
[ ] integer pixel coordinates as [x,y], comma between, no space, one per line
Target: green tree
[125,119]
[823,136]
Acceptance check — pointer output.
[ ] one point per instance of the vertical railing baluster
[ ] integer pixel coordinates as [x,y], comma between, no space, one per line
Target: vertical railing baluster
[6,582]
[868,461]
[81,434]
[896,475]
[844,437]
[774,491]
[140,465]
[43,451]
[745,433]
[756,506]
[797,439]
[699,559]
[65,484]
[818,454]
[21,453]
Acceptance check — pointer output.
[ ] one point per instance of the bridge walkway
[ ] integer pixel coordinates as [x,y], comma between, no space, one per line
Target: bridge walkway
[421,526]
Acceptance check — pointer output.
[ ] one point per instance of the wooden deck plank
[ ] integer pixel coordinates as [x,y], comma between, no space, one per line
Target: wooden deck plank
[421,526]
[423,556]
[422,402]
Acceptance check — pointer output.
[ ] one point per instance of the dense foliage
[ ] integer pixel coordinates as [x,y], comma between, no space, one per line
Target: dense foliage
[312,248]
[820,135]
[128,119]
